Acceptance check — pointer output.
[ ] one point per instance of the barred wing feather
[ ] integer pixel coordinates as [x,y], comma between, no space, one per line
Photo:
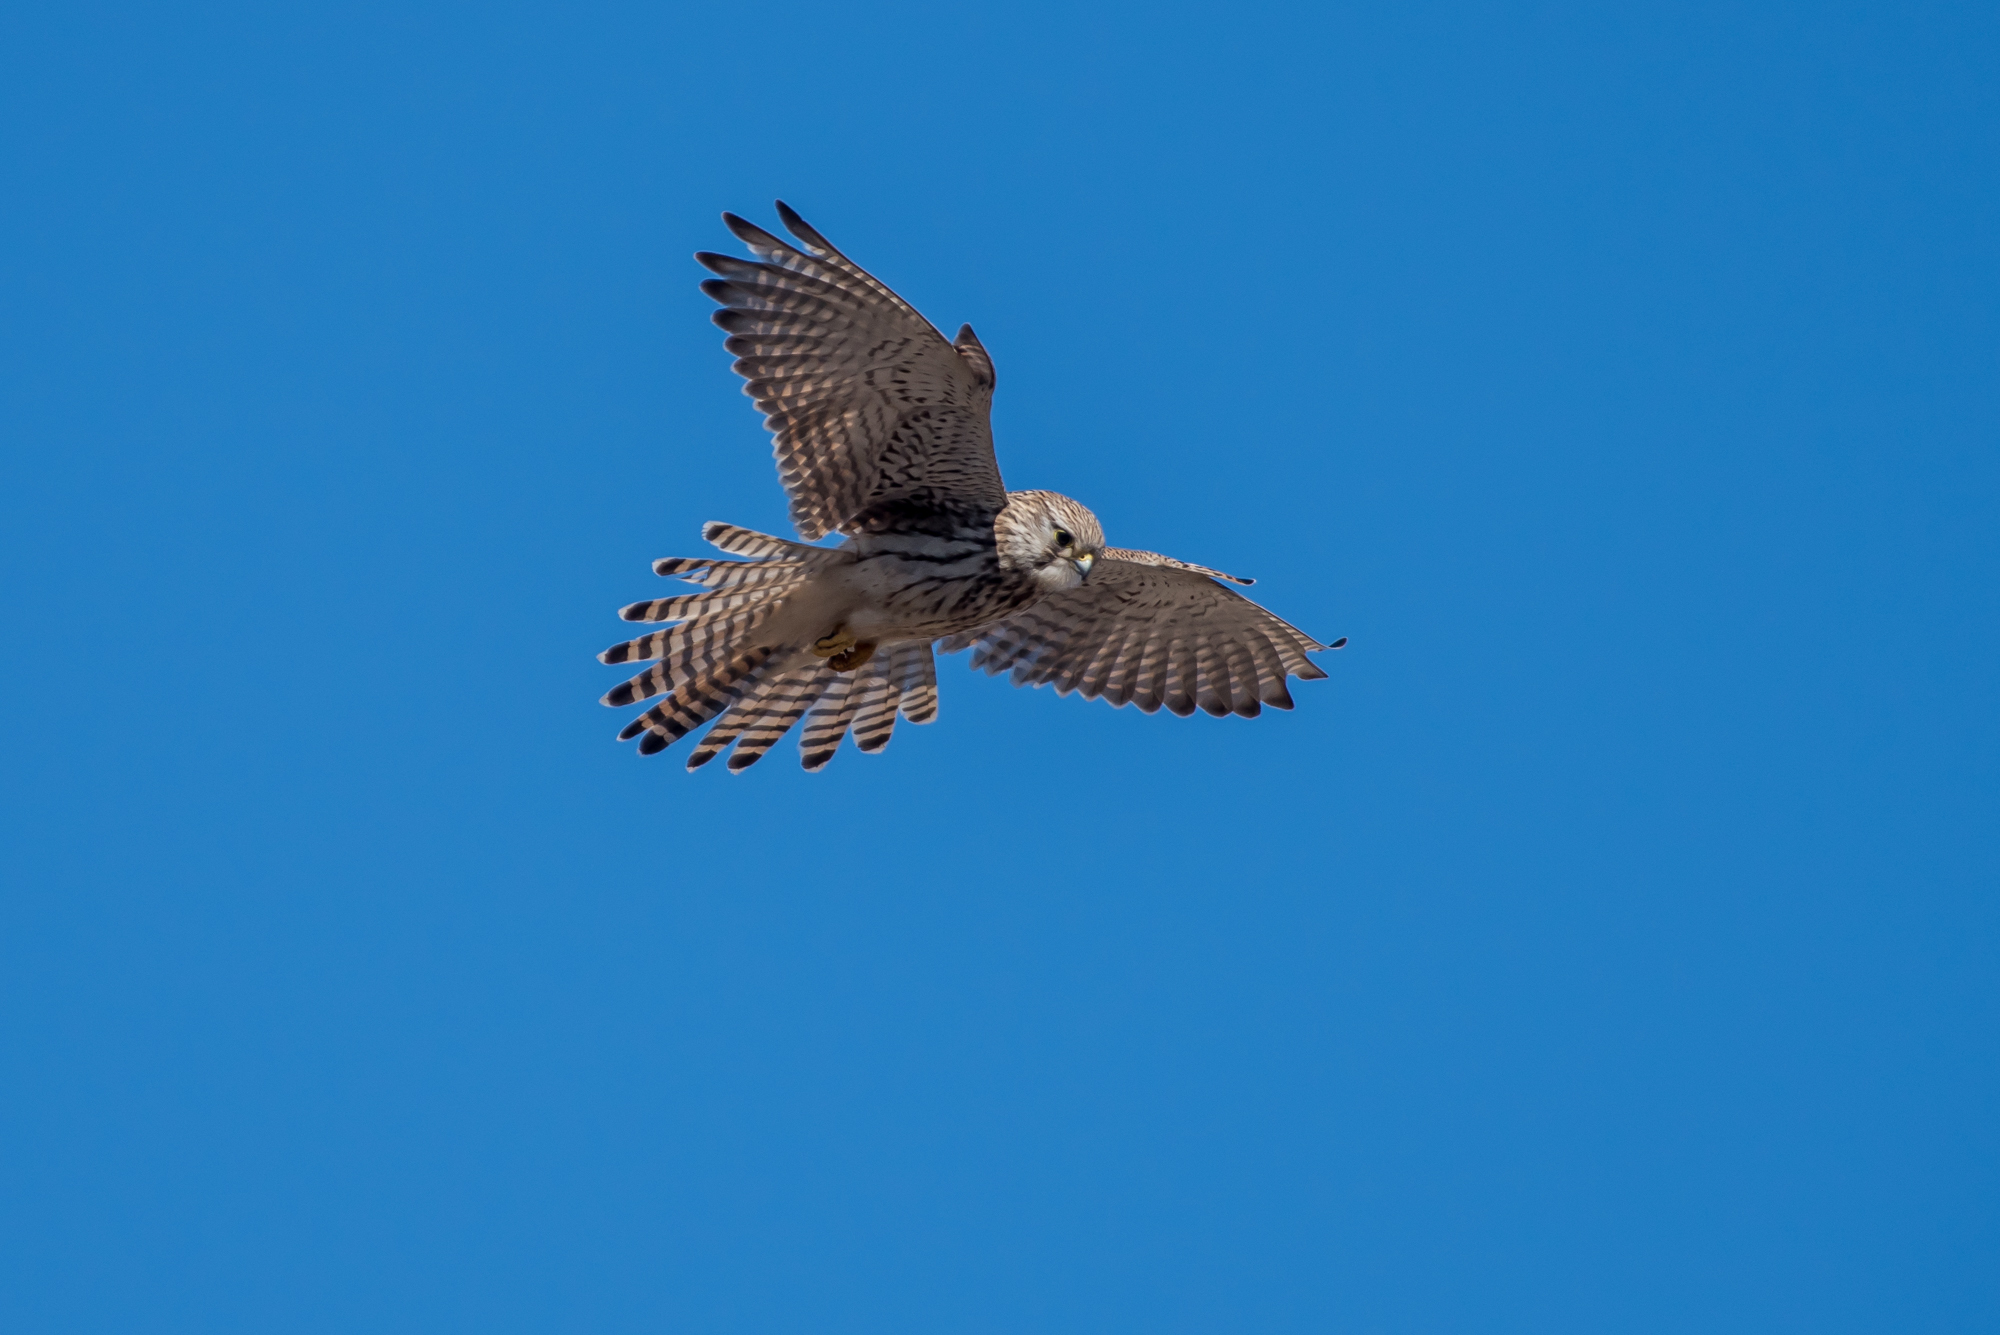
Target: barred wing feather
[867,403]
[1149,630]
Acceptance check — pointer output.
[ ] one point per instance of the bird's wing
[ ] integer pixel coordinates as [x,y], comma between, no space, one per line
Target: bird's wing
[1151,630]
[870,406]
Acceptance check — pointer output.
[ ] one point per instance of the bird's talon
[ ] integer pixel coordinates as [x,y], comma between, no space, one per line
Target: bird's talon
[852,659]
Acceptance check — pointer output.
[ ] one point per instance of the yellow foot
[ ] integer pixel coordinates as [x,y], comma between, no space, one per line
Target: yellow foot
[852,659]
[839,642]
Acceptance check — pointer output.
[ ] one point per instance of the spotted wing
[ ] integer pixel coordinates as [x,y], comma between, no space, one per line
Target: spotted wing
[1154,631]
[867,402]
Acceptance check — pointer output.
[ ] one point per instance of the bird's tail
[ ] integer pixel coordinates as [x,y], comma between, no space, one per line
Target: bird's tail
[715,653]
[900,679]
[724,659]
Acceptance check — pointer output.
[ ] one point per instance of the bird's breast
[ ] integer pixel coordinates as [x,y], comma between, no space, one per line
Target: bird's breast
[924,586]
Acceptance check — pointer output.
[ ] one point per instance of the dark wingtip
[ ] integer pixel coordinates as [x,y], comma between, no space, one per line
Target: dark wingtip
[745,230]
[652,744]
[634,611]
[631,730]
[1340,643]
[617,653]
[804,230]
[618,695]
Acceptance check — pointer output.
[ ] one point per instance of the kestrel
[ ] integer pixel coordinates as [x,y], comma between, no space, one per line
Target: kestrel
[882,435]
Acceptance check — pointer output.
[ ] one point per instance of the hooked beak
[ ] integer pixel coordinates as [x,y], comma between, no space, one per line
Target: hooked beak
[1083,563]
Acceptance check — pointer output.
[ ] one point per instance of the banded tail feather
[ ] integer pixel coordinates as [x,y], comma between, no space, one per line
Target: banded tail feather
[778,709]
[687,652]
[916,682]
[905,683]
[712,670]
[864,703]
[902,679]
[711,667]
[832,714]
[689,606]
[752,715]
[873,703]
[740,596]
[739,541]
[694,703]
[717,574]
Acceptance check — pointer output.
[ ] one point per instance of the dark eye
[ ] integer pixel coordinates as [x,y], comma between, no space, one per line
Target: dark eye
[1063,539]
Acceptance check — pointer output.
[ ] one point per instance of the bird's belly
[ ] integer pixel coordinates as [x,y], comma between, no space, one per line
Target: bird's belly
[932,594]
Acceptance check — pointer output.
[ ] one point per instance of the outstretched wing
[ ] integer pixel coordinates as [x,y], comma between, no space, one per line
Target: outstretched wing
[1151,630]
[868,403]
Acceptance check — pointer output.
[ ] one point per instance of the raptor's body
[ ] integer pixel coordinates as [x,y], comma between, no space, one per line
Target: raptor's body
[882,435]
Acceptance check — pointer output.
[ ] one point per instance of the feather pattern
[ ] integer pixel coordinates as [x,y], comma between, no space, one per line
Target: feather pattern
[833,704]
[761,721]
[1152,631]
[866,402]
[880,428]
[695,702]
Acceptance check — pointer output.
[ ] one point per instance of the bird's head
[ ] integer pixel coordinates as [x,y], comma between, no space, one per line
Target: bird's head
[1049,537]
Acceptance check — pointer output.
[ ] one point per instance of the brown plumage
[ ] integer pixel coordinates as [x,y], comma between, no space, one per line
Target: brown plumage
[1153,631]
[881,431]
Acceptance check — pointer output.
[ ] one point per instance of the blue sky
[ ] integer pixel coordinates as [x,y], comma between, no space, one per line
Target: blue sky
[1609,944]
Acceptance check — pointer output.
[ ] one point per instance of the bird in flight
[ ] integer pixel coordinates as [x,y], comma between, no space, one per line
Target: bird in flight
[882,435]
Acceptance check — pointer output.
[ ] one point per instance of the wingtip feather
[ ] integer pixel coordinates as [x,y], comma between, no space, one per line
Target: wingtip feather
[805,231]
[749,233]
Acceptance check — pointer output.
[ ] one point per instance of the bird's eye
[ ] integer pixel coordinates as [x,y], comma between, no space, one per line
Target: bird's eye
[1063,539]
